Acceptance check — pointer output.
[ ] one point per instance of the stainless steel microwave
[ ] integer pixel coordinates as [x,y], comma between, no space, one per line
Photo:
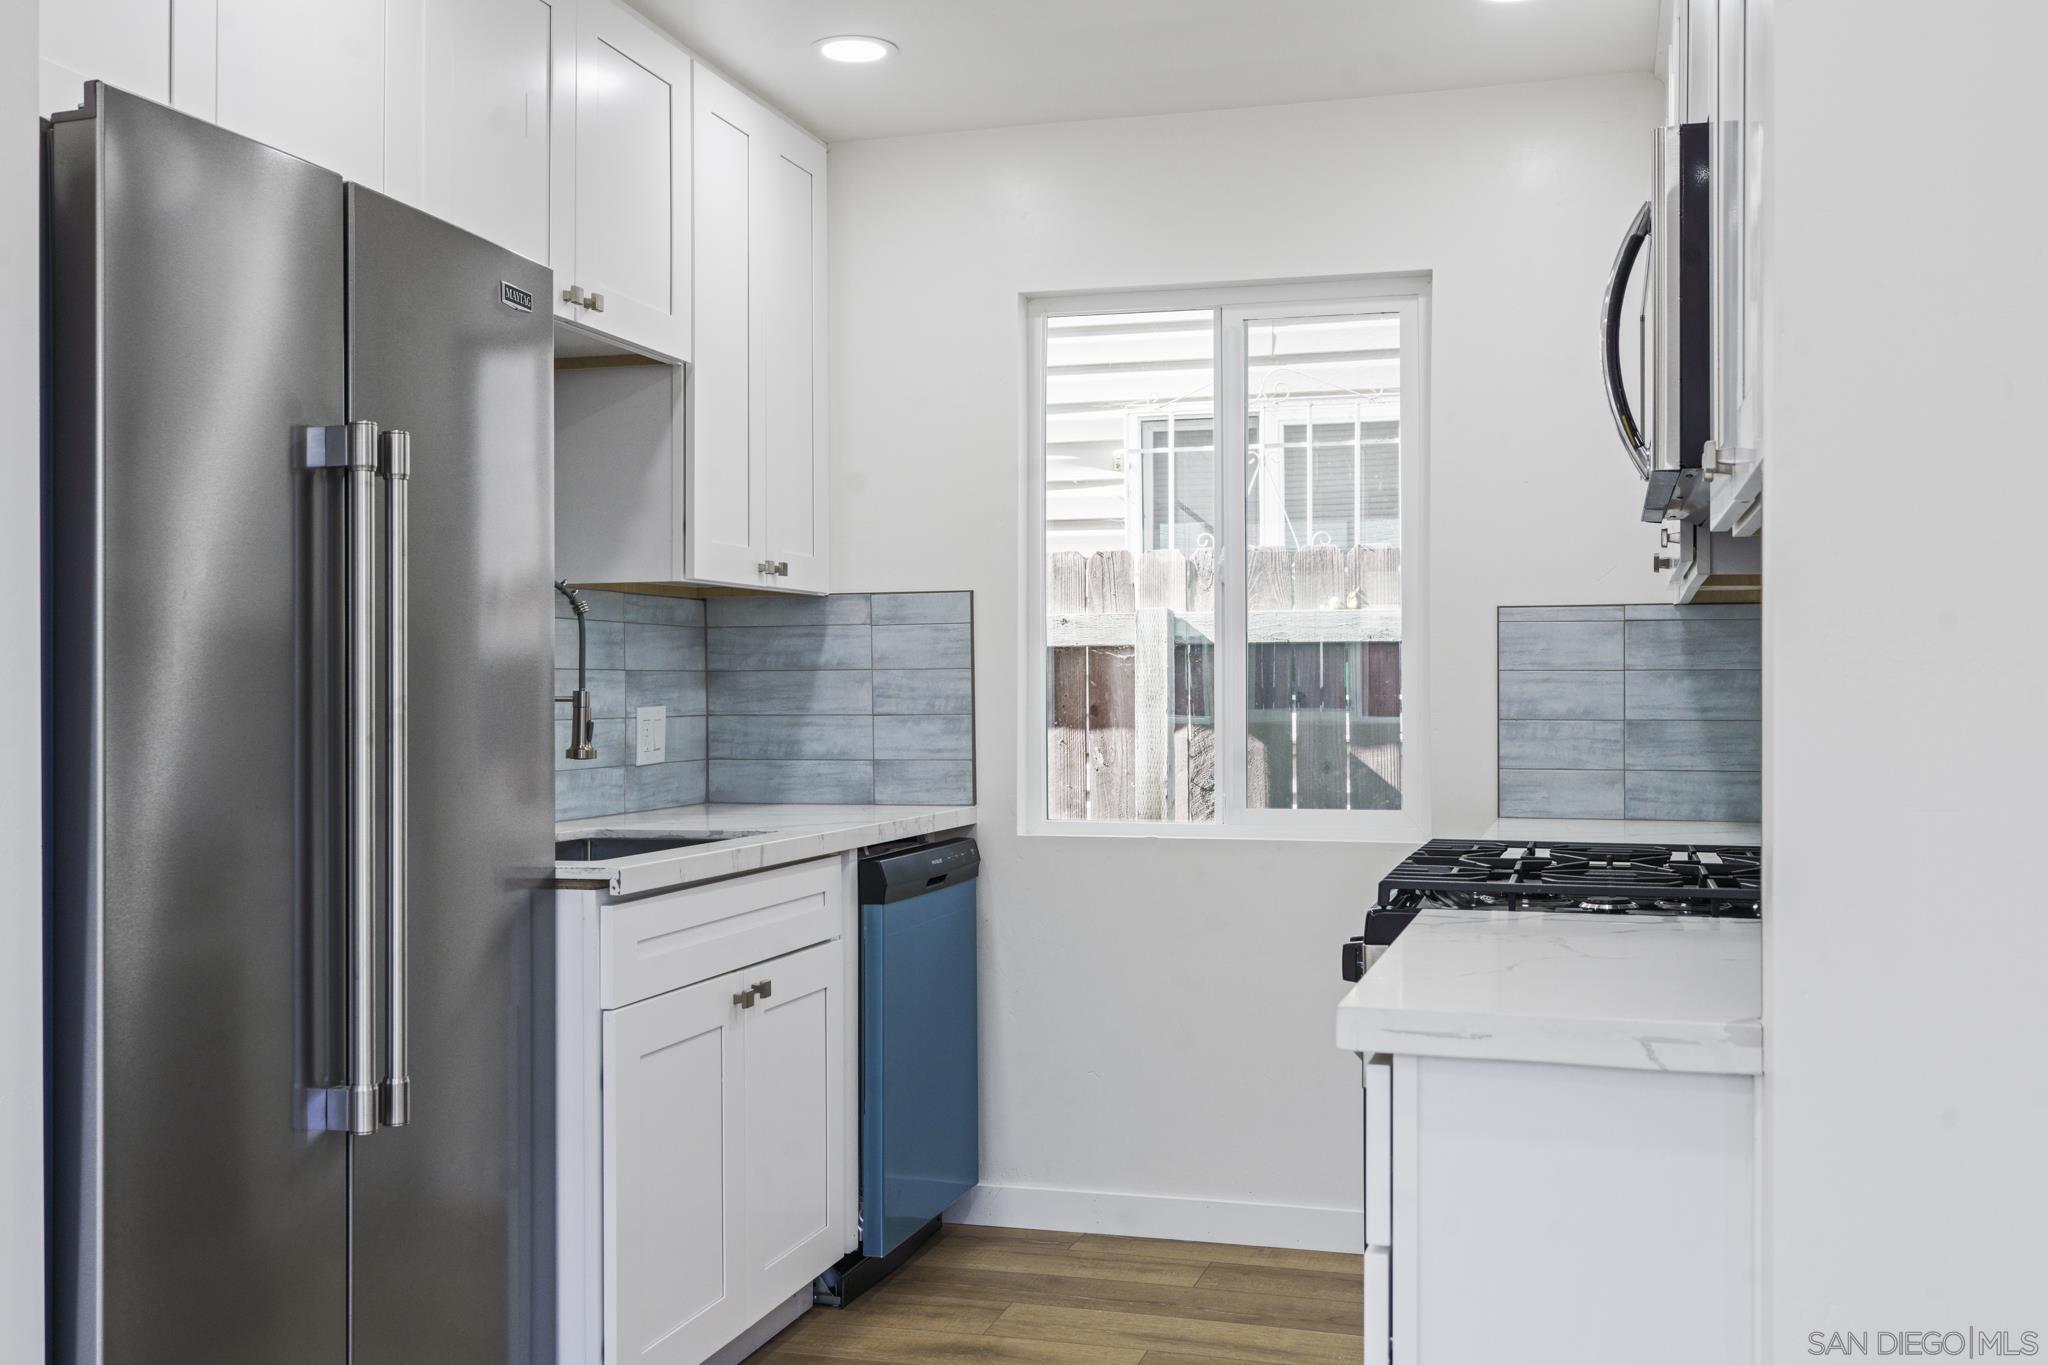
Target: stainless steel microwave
[1667,427]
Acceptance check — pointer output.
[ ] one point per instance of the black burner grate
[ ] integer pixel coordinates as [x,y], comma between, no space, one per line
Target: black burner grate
[1707,878]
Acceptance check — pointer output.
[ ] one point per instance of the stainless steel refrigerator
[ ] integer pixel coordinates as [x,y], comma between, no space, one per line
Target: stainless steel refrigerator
[300,506]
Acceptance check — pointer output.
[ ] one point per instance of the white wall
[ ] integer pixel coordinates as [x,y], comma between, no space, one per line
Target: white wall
[1158,1016]
[1906,1091]
[21,908]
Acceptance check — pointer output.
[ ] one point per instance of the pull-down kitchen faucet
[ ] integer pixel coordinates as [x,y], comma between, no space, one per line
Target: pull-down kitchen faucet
[580,724]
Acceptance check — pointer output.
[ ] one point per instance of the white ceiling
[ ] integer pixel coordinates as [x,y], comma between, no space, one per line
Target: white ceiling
[993,63]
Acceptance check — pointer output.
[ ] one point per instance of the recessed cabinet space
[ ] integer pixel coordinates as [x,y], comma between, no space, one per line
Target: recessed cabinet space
[621,251]
[619,496]
[757,448]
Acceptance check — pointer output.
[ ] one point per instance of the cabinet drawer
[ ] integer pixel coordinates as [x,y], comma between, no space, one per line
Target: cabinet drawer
[686,936]
[1379,1150]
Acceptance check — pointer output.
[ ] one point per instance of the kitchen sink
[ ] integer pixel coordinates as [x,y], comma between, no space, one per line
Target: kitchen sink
[604,849]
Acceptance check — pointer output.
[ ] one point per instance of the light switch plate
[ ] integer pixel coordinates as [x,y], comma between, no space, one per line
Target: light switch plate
[651,727]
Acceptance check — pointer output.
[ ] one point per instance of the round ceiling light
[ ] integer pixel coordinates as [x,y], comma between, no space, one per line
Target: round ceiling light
[854,48]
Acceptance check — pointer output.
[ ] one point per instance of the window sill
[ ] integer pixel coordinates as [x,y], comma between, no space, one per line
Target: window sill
[1339,830]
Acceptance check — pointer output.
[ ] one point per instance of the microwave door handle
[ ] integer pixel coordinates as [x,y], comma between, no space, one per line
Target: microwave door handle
[1625,421]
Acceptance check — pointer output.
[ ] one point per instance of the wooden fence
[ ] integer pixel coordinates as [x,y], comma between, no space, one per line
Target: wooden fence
[1132,667]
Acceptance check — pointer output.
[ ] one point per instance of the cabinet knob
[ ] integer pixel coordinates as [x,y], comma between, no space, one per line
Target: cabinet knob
[745,999]
[1662,563]
[573,294]
[764,989]
[596,303]
[773,568]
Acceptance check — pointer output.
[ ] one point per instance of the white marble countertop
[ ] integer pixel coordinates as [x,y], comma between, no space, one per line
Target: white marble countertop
[763,836]
[1636,992]
[1621,832]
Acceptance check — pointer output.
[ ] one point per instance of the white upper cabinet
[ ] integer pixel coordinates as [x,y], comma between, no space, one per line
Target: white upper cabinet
[789,283]
[123,42]
[757,452]
[683,219]
[305,76]
[472,115]
[621,252]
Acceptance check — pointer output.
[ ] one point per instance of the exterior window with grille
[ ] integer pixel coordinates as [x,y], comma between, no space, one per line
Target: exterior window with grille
[1227,633]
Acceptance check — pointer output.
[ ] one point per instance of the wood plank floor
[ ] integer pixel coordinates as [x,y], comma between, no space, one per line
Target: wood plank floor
[1005,1296]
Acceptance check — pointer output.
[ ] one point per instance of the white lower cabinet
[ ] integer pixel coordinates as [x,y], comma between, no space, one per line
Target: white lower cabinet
[1558,1215]
[794,1194]
[1378,1320]
[673,1125]
[703,1141]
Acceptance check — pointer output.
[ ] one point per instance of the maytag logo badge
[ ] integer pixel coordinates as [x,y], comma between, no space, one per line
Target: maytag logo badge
[515,297]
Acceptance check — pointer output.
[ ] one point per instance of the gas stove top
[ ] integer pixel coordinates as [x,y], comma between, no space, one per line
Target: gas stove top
[1711,879]
[1673,880]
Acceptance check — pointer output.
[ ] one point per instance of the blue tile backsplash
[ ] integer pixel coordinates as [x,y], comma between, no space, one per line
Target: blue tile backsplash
[850,699]
[1631,712]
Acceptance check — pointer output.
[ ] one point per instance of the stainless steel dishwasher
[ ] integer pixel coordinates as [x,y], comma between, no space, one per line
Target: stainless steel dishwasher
[920,1093]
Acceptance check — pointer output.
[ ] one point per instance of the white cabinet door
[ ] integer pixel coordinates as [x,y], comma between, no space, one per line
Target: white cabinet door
[789,286]
[470,114]
[305,76]
[626,182]
[674,1087]
[126,43]
[757,455]
[795,1134]
[725,532]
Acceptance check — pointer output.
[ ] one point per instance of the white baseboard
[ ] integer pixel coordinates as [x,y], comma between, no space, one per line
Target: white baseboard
[1176,1219]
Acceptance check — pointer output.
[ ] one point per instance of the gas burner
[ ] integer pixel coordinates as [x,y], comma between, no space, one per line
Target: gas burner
[1455,871]
[1461,848]
[1614,853]
[1610,874]
[1735,870]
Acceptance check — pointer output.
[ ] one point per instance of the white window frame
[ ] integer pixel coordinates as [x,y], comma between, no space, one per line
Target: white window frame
[1138,479]
[1236,307]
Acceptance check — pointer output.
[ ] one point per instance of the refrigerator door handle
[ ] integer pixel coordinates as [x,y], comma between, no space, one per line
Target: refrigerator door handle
[352,449]
[395,1092]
